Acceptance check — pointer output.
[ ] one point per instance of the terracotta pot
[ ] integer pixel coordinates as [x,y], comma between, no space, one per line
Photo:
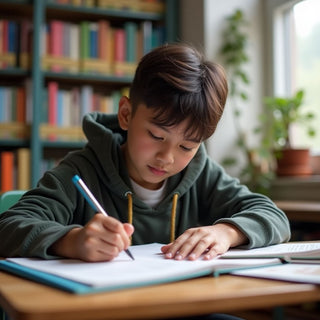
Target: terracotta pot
[294,162]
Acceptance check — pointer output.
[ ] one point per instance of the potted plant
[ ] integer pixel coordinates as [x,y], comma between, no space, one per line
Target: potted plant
[285,112]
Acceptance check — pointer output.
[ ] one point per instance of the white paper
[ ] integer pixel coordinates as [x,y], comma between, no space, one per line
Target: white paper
[149,266]
[306,273]
[291,249]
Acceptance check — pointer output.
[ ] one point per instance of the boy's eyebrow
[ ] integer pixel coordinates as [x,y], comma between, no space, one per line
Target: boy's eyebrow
[194,140]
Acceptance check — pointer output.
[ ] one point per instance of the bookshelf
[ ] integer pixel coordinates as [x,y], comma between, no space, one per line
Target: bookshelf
[58,60]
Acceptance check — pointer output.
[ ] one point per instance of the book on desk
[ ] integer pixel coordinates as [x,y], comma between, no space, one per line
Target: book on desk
[149,267]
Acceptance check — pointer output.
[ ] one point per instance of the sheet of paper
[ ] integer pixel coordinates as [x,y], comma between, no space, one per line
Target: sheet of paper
[149,266]
[306,273]
[292,249]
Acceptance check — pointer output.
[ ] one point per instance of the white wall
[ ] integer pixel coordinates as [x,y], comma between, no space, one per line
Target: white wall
[207,35]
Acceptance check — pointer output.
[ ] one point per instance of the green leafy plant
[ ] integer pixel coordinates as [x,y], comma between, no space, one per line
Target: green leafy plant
[256,172]
[284,113]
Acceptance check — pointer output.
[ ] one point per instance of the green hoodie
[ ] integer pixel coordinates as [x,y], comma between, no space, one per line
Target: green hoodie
[206,195]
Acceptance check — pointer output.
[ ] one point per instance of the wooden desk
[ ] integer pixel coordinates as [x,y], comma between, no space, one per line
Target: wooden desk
[26,300]
[304,211]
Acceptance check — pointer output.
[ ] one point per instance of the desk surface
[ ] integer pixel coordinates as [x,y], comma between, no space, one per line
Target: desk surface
[27,300]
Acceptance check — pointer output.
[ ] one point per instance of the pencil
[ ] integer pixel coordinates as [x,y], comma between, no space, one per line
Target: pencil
[84,190]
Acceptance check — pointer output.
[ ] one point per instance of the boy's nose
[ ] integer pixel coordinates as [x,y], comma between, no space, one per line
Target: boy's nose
[165,155]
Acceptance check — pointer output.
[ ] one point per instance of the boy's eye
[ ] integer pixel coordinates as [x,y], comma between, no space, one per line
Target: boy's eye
[185,148]
[154,136]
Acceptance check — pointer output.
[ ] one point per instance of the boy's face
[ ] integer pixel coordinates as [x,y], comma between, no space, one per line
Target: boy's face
[153,153]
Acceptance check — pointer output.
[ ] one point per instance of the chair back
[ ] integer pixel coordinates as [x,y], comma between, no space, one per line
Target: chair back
[9,198]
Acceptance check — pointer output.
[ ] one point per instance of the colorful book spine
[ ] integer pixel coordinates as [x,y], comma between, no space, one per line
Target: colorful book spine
[84,40]
[7,170]
[103,39]
[131,32]
[56,42]
[93,40]
[25,44]
[13,104]
[21,105]
[23,169]
[52,105]
[15,169]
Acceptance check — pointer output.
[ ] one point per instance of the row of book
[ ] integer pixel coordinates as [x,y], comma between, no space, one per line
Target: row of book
[66,107]
[15,44]
[14,104]
[15,169]
[152,6]
[97,47]
[61,108]
[94,47]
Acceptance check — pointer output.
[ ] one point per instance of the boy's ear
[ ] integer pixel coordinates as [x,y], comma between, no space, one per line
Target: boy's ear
[124,112]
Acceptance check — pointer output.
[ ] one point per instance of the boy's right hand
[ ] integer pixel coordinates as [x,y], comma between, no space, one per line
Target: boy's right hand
[101,239]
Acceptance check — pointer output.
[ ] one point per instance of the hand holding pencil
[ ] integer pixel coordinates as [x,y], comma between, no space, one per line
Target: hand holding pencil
[100,224]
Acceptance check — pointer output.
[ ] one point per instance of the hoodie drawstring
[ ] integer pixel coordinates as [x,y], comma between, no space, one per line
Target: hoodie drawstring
[173,214]
[130,213]
[173,217]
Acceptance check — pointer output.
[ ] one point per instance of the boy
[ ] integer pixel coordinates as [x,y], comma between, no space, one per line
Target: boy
[148,168]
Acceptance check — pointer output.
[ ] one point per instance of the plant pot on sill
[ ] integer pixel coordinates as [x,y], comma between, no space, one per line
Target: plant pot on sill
[294,162]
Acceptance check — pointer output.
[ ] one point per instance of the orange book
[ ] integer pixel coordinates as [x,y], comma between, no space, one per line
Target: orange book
[7,171]
[103,29]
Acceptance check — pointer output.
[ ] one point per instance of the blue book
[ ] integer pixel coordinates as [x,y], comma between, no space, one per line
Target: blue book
[2,117]
[86,100]
[93,40]
[12,36]
[60,108]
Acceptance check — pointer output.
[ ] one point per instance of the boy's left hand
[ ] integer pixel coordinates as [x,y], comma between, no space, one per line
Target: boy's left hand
[209,241]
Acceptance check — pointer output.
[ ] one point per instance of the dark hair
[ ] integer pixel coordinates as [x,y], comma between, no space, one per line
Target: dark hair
[176,80]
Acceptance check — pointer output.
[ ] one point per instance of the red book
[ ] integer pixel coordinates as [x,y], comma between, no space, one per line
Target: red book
[56,39]
[21,105]
[119,45]
[7,171]
[5,36]
[119,50]
[25,43]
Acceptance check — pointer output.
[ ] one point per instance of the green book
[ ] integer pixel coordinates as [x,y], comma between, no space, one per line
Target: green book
[84,40]
[131,35]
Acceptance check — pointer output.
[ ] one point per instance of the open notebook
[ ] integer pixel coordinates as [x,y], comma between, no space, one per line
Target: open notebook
[149,267]
[293,252]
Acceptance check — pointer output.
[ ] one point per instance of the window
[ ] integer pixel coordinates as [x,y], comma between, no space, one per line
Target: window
[297,60]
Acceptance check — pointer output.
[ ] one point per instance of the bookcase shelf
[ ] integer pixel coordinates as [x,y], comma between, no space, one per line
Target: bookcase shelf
[87,77]
[95,13]
[31,71]
[14,73]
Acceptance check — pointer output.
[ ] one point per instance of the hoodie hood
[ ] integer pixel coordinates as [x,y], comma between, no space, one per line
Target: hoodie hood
[105,138]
